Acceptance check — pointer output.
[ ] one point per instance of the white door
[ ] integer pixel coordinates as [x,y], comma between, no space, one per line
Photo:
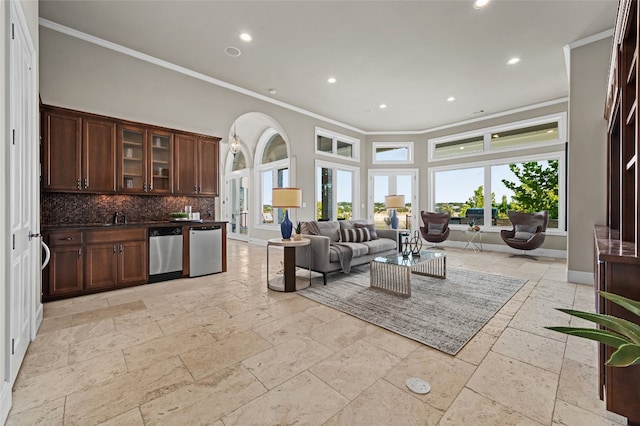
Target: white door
[394,182]
[23,251]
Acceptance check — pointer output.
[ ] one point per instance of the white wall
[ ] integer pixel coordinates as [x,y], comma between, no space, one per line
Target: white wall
[587,154]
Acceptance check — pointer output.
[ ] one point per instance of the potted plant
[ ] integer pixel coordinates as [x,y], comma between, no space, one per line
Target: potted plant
[298,235]
[620,334]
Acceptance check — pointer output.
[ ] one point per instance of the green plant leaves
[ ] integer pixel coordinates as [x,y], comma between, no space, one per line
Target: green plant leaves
[607,337]
[619,325]
[625,356]
[628,304]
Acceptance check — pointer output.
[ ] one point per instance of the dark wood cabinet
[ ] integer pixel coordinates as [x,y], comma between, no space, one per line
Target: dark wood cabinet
[95,260]
[617,243]
[64,273]
[196,165]
[116,258]
[78,152]
[85,152]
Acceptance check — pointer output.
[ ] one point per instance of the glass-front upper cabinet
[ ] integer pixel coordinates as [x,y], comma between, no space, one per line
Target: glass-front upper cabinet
[145,160]
[160,161]
[132,159]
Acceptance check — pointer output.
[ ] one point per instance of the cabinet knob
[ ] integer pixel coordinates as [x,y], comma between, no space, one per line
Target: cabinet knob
[121,248]
[79,252]
[115,248]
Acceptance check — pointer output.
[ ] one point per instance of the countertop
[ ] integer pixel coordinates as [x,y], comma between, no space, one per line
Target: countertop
[65,226]
[609,248]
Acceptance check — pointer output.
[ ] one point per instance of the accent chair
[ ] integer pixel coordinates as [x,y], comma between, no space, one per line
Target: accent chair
[436,226]
[528,233]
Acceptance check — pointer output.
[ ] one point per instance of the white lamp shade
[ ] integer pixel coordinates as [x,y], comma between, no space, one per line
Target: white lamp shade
[286,197]
[394,202]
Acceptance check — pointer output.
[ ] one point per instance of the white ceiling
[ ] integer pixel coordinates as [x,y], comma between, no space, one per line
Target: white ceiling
[410,55]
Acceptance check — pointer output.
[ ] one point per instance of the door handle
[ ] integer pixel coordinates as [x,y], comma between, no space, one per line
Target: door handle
[47,254]
[121,248]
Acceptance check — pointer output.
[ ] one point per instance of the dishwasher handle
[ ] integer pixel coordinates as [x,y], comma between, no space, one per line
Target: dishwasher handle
[207,228]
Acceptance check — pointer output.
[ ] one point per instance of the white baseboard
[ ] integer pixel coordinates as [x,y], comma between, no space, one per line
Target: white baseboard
[580,277]
[5,401]
[37,320]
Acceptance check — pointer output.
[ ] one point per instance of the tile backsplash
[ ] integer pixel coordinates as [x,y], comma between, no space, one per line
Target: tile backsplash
[62,208]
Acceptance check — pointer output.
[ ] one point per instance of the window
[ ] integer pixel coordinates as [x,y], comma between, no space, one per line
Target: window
[392,152]
[483,193]
[542,131]
[337,145]
[239,162]
[272,173]
[336,189]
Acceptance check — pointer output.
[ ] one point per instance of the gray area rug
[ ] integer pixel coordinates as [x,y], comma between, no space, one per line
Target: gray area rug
[442,313]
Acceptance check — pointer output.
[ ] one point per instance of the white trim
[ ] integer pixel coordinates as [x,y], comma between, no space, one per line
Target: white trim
[355,187]
[165,64]
[5,401]
[580,277]
[560,118]
[334,136]
[408,145]
[591,39]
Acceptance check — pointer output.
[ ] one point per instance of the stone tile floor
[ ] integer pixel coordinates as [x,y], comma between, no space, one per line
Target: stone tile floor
[224,350]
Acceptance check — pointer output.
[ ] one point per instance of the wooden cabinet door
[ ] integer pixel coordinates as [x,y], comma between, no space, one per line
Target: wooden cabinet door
[132,159]
[184,172]
[99,152]
[65,271]
[62,151]
[160,160]
[132,263]
[208,166]
[101,266]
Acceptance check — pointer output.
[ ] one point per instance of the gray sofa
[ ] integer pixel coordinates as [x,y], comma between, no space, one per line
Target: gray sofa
[325,258]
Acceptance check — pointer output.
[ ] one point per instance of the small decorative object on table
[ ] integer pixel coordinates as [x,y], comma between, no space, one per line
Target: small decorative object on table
[416,244]
[471,225]
[406,247]
[298,235]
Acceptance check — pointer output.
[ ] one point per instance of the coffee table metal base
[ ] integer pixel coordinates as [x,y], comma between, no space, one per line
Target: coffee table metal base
[394,275]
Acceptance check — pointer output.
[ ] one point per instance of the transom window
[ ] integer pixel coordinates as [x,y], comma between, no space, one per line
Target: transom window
[392,152]
[337,145]
[272,173]
[541,131]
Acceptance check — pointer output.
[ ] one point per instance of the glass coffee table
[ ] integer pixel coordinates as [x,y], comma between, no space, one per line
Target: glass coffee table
[393,273]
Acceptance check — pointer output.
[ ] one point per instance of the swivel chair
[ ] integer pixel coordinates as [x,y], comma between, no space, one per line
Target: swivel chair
[528,231]
[436,227]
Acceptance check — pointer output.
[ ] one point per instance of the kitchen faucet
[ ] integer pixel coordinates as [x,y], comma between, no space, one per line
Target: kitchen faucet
[115,218]
[116,215]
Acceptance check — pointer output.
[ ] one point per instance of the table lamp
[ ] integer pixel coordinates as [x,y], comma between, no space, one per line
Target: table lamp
[286,198]
[394,202]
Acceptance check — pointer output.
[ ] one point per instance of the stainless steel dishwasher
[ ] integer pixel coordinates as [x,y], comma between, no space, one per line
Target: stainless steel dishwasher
[205,250]
[165,253]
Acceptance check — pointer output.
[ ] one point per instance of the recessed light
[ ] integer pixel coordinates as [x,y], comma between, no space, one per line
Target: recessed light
[451,98]
[513,61]
[246,37]
[232,51]
[479,4]
[273,91]
[331,80]
[368,111]
[382,106]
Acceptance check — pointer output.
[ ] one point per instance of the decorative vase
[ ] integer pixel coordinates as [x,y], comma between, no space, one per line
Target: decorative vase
[286,227]
[416,244]
[394,220]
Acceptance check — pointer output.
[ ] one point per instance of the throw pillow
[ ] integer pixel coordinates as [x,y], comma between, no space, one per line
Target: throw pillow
[435,228]
[521,235]
[373,235]
[330,229]
[354,235]
[532,229]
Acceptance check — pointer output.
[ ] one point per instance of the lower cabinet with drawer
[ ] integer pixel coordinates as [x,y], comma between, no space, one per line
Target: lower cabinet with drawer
[63,276]
[95,260]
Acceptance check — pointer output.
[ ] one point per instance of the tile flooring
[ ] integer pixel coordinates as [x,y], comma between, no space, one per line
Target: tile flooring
[223,350]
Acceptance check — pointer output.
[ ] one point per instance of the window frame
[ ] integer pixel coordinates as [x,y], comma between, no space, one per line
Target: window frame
[487,165]
[408,145]
[485,133]
[334,136]
[355,187]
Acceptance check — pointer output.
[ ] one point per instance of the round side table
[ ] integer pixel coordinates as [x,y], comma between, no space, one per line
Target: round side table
[289,282]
